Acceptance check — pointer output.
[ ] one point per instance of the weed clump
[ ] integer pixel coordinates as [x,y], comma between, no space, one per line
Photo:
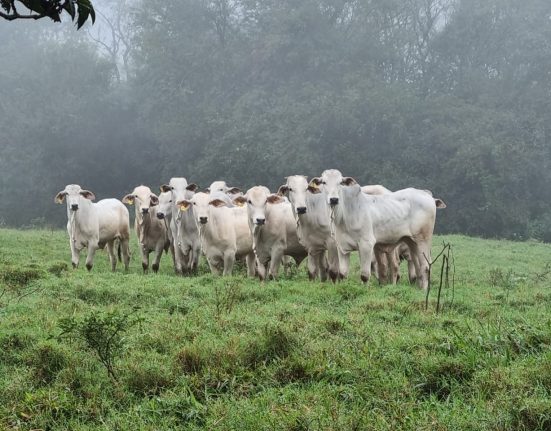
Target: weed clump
[439,377]
[47,360]
[58,268]
[148,379]
[190,360]
[274,343]
[19,277]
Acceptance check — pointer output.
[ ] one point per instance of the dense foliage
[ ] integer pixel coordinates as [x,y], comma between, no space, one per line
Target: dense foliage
[81,10]
[449,95]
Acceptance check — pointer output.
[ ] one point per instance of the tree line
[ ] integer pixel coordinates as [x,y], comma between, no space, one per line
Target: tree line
[446,95]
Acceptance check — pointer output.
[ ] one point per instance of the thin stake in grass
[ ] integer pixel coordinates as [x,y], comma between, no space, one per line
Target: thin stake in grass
[446,253]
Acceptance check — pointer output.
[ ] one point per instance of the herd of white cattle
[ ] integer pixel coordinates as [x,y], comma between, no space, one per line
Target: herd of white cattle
[324,219]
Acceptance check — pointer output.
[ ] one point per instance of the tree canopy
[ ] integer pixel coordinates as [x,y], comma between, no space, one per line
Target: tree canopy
[447,95]
[81,10]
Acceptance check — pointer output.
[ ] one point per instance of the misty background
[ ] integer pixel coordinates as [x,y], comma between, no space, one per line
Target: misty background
[448,95]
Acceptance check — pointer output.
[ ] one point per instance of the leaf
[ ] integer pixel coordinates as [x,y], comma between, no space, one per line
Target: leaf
[6,5]
[69,6]
[35,5]
[85,10]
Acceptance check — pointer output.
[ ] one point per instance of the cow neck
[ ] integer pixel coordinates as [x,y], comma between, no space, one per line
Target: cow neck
[74,220]
[144,225]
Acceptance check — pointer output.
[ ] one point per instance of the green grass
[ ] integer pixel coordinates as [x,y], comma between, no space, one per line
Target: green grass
[224,354]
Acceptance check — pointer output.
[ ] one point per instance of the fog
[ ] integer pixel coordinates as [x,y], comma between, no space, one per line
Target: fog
[447,95]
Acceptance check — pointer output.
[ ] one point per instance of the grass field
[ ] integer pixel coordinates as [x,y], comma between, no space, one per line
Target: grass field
[224,354]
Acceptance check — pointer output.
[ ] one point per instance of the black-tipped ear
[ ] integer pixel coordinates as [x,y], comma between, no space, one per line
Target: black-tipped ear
[240,201]
[313,190]
[184,205]
[234,191]
[166,188]
[274,199]
[153,200]
[283,190]
[60,197]
[315,182]
[217,203]
[440,203]
[87,194]
[128,199]
[348,181]
[192,187]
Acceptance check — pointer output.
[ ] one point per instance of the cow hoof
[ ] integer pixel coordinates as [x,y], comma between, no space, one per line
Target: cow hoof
[311,276]
[413,280]
[75,265]
[341,276]
[364,278]
[155,267]
[145,266]
[89,267]
[333,275]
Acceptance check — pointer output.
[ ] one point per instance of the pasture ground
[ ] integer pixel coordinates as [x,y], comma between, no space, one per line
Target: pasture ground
[233,354]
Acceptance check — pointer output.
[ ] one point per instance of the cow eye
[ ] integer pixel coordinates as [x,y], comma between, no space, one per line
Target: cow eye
[249,201]
[170,201]
[323,182]
[290,189]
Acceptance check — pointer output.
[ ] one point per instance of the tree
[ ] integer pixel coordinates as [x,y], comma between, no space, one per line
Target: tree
[81,10]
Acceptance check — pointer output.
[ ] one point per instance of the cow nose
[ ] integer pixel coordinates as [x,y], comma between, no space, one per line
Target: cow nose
[333,201]
[260,221]
[301,210]
[203,220]
[160,216]
[145,210]
[74,207]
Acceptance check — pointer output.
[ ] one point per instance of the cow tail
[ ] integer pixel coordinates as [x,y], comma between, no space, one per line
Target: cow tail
[119,250]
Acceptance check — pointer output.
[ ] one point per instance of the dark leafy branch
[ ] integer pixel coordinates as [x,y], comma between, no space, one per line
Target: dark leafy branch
[79,10]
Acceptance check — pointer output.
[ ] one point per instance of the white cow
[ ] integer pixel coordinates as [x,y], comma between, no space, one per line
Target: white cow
[151,231]
[221,186]
[363,220]
[184,232]
[274,230]
[224,231]
[164,213]
[94,225]
[313,227]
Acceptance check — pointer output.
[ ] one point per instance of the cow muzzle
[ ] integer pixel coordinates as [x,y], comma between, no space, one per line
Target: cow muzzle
[301,210]
[161,216]
[203,220]
[74,207]
[333,201]
[145,211]
[260,221]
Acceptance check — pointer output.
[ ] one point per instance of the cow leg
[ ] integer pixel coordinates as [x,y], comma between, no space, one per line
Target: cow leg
[424,259]
[157,259]
[261,269]
[333,262]
[90,257]
[125,249]
[366,254]
[112,257]
[412,273]
[75,254]
[251,261]
[229,260]
[382,269]
[416,258]
[394,265]
[322,265]
[178,259]
[145,259]
[312,266]
[275,262]
[344,264]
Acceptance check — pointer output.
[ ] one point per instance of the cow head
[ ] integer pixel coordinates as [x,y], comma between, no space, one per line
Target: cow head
[202,204]
[296,189]
[165,204]
[143,198]
[257,199]
[331,182]
[73,194]
[221,186]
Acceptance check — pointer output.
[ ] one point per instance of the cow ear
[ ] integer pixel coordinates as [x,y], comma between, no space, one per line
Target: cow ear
[283,190]
[440,203]
[275,199]
[60,197]
[87,194]
[183,205]
[166,188]
[348,181]
[192,187]
[313,190]
[240,201]
[234,191]
[153,200]
[315,182]
[217,203]
[128,199]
